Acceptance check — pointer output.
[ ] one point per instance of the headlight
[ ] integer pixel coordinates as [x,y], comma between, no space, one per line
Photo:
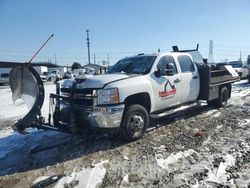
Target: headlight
[65,91]
[108,96]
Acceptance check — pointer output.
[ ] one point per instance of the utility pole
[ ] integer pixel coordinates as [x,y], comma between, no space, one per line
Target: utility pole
[55,59]
[108,58]
[94,58]
[240,59]
[87,30]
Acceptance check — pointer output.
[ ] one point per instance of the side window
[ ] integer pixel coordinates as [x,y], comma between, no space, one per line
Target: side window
[164,61]
[186,64]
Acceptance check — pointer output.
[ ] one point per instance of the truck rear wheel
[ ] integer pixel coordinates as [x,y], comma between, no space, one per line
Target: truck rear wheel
[134,123]
[223,97]
[221,101]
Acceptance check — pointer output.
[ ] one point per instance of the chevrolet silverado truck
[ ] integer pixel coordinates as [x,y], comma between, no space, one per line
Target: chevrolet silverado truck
[132,92]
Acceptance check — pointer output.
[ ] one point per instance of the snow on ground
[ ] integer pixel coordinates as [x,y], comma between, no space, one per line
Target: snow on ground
[92,177]
[214,113]
[10,111]
[79,178]
[175,161]
[240,91]
[171,154]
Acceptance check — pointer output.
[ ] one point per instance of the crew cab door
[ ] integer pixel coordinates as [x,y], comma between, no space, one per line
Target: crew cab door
[167,88]
[190,79]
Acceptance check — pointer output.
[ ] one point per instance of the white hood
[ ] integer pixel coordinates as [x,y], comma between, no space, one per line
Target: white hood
[95,81]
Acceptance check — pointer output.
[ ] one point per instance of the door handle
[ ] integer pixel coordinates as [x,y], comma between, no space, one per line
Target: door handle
[177,80]
[195,77]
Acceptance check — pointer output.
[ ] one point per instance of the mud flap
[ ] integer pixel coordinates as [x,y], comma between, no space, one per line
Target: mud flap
[26,84]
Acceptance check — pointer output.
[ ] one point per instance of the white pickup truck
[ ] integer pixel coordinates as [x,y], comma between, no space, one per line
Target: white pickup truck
[134,90]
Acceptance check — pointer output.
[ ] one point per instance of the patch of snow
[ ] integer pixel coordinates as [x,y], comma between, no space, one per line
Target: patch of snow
[217,114]
[6,132]
[40,179]
[219,126]
[244,123]
[4,153]
[151,128]
[220,175]
[245,146]
[125,181]
[174,160]
[15,146]
[126,158]
[214,113]
[86,178]
[240,90]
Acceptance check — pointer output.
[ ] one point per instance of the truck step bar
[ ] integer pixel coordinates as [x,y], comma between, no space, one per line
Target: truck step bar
[172,111]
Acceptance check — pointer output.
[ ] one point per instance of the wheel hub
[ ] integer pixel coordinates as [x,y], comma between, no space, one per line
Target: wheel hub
[136,123]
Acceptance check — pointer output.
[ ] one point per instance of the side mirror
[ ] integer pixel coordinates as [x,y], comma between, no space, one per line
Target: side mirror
[169,71]
[158,73]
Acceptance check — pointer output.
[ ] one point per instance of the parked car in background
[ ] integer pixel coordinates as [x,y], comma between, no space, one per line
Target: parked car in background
[248,66]
[68,75]
[42,71]
[241,68]
[51,77]
[58,71]
[4,75]
[89,70]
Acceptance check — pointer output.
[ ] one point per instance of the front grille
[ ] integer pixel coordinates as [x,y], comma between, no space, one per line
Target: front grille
[5,75]
[84,97]
[81,98]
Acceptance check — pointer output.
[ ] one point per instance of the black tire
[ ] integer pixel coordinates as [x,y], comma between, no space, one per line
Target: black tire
[134,123]
[248,79]
[240,75]
[211,103]
[223,97]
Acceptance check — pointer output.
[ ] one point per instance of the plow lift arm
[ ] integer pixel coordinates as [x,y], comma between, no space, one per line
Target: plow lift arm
[26,84]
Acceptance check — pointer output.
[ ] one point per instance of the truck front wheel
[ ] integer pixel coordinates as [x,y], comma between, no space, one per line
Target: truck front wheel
[134,123]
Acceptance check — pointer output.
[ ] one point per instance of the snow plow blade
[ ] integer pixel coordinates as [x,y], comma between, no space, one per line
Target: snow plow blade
[26,84]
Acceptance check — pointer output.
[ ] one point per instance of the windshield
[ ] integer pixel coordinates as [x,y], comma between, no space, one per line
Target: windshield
[133,65]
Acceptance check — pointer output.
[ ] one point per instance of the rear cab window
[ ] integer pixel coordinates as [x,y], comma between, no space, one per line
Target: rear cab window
[186,64]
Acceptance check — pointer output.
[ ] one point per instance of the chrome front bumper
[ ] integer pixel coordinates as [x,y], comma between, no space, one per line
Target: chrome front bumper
[106,116]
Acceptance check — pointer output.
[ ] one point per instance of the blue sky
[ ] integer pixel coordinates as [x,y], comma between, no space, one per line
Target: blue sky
[121,28]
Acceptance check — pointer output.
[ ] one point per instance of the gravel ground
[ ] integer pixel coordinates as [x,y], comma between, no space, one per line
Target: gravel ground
[199,147]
